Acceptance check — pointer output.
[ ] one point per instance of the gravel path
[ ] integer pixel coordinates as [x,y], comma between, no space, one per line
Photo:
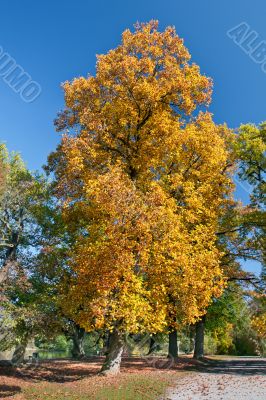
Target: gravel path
[234,379]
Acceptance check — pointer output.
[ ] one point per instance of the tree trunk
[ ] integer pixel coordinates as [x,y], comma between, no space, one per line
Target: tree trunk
[78,342]
[199,340]
[106,342]
[153,346]
[172,348]
[19,353]
[191,340]
[113,358]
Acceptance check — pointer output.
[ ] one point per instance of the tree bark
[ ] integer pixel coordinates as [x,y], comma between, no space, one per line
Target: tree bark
[78,342]
[191,340]
[153,346]
[19,353]
[106,342]
[172,348]
[199,340]
[113,358]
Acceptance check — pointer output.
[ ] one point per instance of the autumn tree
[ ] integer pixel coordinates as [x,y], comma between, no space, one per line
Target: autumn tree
[200,181]
[2,169]
[251,150]
[51,265]
[14,204]
[241,233]
[27,301]
[142,179]
[2,186]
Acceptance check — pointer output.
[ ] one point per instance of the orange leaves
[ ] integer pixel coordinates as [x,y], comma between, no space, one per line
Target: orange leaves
[142,186]
[127,108]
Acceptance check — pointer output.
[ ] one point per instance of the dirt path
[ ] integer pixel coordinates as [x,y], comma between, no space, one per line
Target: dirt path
[240,379]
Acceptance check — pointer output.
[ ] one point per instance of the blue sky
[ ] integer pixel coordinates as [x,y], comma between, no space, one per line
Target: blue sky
[55,41]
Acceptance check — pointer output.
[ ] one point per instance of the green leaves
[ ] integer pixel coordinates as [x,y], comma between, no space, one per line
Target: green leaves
[251,152]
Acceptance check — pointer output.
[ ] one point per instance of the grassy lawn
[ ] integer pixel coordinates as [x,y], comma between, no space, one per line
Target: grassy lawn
[134,387]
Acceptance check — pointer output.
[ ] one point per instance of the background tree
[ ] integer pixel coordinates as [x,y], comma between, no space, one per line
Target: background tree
[27,305]
[251,149]
[241,232]
[2,168]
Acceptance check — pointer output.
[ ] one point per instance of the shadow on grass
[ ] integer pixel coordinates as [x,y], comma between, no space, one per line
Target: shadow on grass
[63,371]
[58,371]
[8,391]
[67,370]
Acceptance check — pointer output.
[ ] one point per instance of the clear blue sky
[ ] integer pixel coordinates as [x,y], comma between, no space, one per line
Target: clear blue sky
[56,40]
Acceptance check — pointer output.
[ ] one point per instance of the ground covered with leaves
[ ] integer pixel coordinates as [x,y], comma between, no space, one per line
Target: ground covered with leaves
[147,378]
[140,378]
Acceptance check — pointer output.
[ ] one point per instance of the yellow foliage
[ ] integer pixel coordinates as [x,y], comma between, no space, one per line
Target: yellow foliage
[143,184]
[258,323]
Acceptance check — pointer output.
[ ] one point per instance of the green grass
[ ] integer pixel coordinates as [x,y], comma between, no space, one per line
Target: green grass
[134,389]
[131,388]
